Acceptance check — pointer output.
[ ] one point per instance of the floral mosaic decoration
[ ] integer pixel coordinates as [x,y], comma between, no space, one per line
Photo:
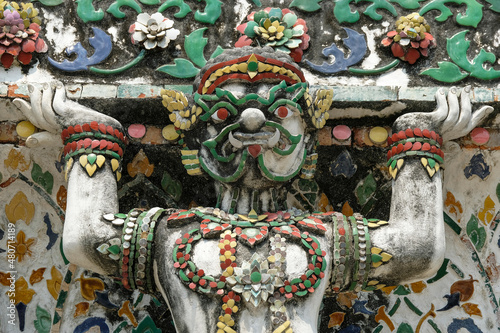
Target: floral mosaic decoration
[411,39]
[279,28]
[151,31]
[19,33]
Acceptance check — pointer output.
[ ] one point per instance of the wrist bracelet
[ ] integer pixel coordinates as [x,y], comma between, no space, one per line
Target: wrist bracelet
[93,143]
[415,142]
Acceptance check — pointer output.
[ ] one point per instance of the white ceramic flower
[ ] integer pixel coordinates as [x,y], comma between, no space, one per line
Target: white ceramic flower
[152,31]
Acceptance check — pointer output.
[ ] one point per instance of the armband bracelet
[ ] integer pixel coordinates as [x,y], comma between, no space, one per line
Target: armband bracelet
[137,246]
[93,143]
[415,142]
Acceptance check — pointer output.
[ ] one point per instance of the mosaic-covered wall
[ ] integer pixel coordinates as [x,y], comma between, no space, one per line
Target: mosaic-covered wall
[379,67]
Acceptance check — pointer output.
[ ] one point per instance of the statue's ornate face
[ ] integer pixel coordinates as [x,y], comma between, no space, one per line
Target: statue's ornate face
[254,133]
[246,122]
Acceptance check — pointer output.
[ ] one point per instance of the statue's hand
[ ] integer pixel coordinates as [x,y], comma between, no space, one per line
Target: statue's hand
[51,111]
[452,118]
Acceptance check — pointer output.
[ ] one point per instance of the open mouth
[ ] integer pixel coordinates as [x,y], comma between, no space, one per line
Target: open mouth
[230,141]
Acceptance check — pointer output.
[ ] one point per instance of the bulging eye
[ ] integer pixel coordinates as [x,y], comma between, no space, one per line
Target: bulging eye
[220,115]
[283,112]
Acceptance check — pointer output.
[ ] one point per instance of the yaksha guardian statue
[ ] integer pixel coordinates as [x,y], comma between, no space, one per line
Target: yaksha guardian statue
[262,259]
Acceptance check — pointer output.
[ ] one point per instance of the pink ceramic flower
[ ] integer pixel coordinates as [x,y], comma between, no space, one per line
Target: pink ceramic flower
[19,37]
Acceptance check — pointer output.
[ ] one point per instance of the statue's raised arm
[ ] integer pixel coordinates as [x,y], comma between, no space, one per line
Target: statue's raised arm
[262,258]
[415,233]
[96,142]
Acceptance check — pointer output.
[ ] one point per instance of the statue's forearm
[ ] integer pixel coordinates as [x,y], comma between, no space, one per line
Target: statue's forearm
[415,233]
[93,158]
[89,198]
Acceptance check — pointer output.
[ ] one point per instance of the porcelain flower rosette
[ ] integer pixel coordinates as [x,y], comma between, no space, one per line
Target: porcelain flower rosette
[411,39]
[278,28]
[19,30]
[254,280]
[153,31]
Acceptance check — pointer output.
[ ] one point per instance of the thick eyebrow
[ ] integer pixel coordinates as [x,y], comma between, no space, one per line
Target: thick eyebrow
[299,89]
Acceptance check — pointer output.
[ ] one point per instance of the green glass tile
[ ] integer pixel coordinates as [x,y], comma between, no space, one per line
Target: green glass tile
[301,293]
[376,258]
[183,276]
[114,249]
[192,266]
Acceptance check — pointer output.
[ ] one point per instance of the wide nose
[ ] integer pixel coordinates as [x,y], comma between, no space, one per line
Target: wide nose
[252,119]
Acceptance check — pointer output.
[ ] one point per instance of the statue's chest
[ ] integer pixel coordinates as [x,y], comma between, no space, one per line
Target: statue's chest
[250,261]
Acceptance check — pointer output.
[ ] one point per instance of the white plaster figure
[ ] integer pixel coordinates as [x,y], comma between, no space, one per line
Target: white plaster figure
[260,254]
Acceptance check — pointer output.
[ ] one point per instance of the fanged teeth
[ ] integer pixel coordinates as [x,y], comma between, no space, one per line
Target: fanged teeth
[258,138]
[274,139]
[236,143]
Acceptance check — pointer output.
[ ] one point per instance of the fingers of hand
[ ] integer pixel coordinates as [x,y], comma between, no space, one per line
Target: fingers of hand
[465,110]
[59,104]
[43,139]
[453,111]
[23,106]
[479,116]
[473,121]
[47,111]
[442,106]
[38,99]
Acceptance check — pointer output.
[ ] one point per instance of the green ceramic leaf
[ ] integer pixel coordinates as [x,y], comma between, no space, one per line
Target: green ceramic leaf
[44,179]
[150,2]
[87,12]
[476,233]
[343,12]
[217,51]
[498,189]
[249,29]
[275,12]
[495,5]
[306,5]
[260,15]
[472,17]
[405,328]
[447,72]
[115,8]
[371,10]
[147,325]
[457,48]
[290,19]
[49,2]
[365,189]
[42,321]
[184,8]
[211,13]
[257,3]
[194,44]
[182,69]
[401,291]
[408,4]
[171,186]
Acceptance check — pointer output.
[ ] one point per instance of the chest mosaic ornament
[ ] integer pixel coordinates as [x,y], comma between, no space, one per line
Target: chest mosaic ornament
[263,279]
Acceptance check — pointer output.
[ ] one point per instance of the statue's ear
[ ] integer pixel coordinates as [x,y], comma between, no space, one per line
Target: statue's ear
[319,101]
[183,111]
